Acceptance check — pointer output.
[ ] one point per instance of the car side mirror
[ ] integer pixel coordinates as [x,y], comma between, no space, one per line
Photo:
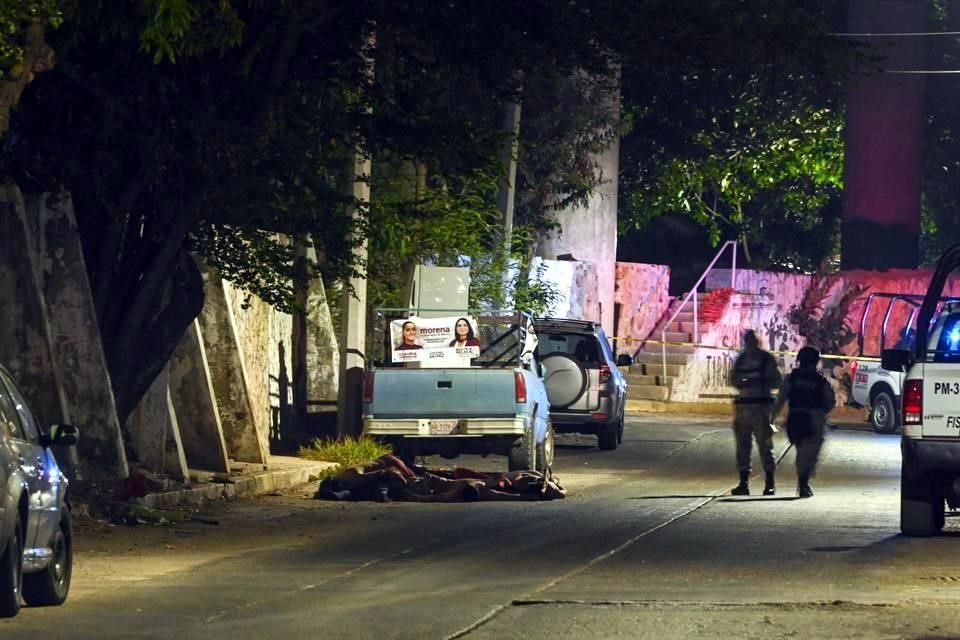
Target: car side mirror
[624,360]
[896,359]
[62,435]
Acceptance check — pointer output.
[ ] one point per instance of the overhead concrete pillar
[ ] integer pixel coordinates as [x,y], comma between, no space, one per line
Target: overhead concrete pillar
[25,342]
[589,233]
[195,405]
[76,340]
[228,374]
[323,350]
[155,433]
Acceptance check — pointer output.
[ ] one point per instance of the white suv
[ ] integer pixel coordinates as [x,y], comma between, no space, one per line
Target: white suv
[930,445]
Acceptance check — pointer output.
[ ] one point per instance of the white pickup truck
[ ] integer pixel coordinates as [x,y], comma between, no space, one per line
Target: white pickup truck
[873,386]
[930,445]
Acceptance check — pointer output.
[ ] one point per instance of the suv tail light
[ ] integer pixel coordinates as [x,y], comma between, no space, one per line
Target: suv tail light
[368,387]
[913,402]
[519,387]
[604,372]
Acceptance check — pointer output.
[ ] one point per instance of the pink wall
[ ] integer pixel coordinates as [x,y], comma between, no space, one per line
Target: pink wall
[641,293]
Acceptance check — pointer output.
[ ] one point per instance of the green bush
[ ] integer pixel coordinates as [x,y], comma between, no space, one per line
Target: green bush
[346,452]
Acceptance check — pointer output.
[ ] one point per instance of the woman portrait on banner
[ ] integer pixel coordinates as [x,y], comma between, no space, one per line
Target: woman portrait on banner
[408,339]
[463,335]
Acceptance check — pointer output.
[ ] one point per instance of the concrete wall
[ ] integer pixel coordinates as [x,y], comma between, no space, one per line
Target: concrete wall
[642,297]
[761,302]
[576,282]
[50,339]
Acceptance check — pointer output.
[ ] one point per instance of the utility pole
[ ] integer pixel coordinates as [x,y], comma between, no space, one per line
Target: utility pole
[353,321]
[298,341]
[508,187]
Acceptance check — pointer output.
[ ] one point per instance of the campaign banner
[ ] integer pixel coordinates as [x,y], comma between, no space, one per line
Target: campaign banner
[449,340]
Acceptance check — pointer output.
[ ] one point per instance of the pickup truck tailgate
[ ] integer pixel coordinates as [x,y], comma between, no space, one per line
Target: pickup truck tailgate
[941,399]
[438,393]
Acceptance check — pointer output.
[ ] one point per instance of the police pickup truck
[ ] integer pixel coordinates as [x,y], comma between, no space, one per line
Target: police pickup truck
[873,386]
[461,384]
[930,414]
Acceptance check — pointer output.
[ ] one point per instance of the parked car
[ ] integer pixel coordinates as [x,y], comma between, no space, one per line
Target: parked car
[587,391]
[36,536]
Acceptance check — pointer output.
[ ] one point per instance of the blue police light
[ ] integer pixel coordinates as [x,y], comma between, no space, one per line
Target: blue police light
[953,338]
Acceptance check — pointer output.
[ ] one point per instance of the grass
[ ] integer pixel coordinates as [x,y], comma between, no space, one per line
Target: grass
[346,452]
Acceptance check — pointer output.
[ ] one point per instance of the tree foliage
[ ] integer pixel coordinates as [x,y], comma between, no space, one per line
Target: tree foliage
[16,19]
[941,183]
[213,129]
[741,129]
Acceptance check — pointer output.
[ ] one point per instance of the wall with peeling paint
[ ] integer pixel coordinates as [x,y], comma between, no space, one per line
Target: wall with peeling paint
[642,296]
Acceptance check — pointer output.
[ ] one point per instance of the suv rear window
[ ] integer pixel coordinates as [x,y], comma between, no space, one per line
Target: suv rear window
[582,347]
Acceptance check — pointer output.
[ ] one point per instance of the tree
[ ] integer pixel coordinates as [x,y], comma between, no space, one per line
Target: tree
[736,123]
[207,128]
[23,51]
[217,153]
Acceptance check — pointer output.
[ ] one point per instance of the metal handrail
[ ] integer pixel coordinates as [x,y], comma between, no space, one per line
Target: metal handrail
[692,293]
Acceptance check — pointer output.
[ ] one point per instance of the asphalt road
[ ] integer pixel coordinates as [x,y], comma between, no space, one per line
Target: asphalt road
[647,545]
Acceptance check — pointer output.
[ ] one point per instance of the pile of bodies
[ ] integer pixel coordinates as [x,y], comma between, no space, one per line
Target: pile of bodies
[389,478]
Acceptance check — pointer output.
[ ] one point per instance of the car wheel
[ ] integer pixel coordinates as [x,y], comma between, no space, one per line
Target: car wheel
[50,586]
[921,509]
[883,413]
[620,430]
[11,572]
[544,460]
[607,436]
[523,453]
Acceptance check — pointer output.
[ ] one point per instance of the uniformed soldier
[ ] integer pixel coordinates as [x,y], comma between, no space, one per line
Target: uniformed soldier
[755,375]
[811,398]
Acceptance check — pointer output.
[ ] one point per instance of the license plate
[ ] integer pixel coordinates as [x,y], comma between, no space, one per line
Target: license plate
[444,427]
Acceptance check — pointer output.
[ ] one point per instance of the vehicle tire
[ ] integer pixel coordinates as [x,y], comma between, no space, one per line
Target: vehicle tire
[50,586]
[544,460]
[607,436]
[921,509]
[564,379]
[620,430]
[883,413]
[11,572]
[522,455]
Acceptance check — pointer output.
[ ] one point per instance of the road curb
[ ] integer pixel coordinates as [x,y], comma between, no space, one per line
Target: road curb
[286,475]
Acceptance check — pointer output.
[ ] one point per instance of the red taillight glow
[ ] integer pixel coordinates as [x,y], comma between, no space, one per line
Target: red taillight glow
[519,387]
[604,372]
[368,387]
[913,402]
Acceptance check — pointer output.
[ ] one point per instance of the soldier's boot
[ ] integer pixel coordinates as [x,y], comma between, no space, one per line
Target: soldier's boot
[769,487]
[742,489]
[803,487]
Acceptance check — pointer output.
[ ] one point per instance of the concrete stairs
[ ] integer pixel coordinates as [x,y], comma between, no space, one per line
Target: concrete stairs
[647,378]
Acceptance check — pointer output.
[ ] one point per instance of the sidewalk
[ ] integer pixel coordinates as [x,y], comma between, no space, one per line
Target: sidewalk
[245,480]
